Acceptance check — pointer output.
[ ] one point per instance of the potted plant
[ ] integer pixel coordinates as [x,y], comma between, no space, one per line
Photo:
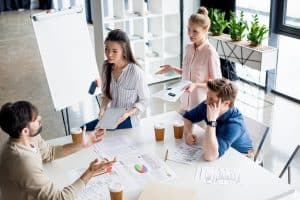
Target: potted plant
[218,22]
[257,32]
[237,26]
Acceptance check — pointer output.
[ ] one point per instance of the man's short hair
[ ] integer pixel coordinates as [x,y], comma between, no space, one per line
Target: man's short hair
[225,89]
[14,117]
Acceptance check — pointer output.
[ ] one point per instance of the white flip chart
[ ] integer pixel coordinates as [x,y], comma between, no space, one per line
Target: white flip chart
[67,54]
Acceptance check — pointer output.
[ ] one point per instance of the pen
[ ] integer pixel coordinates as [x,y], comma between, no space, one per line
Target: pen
[166,155]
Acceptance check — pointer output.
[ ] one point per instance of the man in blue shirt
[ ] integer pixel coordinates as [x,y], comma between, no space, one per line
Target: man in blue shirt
[225,124]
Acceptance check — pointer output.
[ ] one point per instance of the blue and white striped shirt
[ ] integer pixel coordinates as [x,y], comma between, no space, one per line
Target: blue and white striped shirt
[130,90]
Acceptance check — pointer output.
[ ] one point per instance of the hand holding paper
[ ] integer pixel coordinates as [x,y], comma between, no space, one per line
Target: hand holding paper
[190,87]
[123,118]
[111,118]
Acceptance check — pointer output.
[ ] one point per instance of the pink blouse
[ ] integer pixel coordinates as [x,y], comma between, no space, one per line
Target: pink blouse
[199,65]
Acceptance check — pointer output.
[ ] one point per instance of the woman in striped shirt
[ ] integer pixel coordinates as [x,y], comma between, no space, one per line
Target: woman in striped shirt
[123,81]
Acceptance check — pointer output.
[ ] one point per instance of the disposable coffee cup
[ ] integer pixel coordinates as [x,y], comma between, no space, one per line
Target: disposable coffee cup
[116,191]
[76,135]
[159,129]
[178,129]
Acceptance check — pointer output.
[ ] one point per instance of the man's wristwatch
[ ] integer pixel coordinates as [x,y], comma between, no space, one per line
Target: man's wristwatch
[212,123]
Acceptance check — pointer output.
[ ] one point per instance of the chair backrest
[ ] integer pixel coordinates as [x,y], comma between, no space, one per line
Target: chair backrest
[295,157]
[258,133]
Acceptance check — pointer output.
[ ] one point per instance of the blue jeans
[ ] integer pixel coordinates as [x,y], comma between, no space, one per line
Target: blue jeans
[92,124]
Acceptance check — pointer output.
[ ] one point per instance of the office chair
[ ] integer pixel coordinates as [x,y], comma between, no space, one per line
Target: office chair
[288,164]
[258,133]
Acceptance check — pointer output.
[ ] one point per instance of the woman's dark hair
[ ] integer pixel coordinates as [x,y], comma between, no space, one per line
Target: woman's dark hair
[121,37]
[16,116]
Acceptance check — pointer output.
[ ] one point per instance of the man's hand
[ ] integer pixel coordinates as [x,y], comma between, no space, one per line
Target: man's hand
[92,137]
[190,139]
[213,111]
[94,169]
[164,69]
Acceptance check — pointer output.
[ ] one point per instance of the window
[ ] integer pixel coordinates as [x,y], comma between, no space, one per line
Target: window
[288,18]
[250,8]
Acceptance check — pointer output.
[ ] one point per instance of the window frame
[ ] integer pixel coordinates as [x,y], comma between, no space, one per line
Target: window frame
[280,26]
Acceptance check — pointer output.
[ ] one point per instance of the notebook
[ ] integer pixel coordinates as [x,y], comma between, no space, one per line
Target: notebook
[110,118]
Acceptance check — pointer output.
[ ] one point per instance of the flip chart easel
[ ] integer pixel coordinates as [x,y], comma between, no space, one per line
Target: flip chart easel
[68,57]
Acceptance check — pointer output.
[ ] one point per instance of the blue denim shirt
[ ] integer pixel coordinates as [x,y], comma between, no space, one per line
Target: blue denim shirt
[230,131]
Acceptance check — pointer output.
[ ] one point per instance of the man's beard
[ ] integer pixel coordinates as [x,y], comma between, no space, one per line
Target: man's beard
[37,132]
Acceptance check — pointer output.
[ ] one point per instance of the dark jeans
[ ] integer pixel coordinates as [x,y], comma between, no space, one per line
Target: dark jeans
[14,4]
[45,4]
[92,124]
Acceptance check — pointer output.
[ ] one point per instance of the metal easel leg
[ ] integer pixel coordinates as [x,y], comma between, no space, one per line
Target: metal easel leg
[64,121]
[68,122]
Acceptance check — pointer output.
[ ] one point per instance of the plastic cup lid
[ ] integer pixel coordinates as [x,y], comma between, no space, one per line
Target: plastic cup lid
[159,125]
[178,123]
[115,187]
[76,130]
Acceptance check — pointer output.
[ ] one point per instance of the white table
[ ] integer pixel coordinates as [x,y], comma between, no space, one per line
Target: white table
[256,182]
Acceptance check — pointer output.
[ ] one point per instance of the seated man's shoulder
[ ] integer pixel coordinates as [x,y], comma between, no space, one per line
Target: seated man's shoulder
[16,155]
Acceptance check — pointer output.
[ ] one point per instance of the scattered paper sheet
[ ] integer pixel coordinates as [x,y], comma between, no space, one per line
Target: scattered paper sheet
[97,187]
[110,118]
[128,171]
[116,145]
[133,168]
[184,153]
[173,92]
[212,175]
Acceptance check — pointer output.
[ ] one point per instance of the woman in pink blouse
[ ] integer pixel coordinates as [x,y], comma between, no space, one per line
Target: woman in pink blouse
[201,61]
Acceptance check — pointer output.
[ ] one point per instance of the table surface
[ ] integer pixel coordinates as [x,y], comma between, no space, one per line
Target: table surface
[255,181]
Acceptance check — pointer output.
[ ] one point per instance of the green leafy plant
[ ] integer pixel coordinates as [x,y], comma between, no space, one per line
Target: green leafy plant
[218,22]
[257,32]
[237,26]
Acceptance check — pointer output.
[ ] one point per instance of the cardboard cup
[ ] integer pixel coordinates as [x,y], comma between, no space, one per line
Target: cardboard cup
[159,130]
[178,129]
[116,191]
[76,135]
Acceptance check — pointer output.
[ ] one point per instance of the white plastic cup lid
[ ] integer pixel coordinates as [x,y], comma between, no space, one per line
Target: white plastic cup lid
[159,125]
[178,123]
[115,187]
[76,130]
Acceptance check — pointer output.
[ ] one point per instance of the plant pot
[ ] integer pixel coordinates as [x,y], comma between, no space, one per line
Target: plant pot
[235,39]
[254,44]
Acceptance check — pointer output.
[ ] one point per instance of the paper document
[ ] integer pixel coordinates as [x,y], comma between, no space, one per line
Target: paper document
[133,171]
[97,187]
[116,145]
[173,92]
[110,118]
[212,175]
[184,153]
